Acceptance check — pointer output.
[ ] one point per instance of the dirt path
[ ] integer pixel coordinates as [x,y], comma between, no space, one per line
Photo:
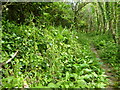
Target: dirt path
[108,70]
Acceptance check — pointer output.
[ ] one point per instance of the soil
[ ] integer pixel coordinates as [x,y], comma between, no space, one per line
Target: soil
[108,70]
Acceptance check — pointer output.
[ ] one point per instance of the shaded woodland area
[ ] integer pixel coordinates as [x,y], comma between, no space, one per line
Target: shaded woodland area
[60,45]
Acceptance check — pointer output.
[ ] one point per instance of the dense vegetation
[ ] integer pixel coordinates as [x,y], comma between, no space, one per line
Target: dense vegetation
[53,41]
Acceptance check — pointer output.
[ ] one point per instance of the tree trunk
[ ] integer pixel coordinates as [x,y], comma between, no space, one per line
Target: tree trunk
[103,17]
[97,19]
[76,10]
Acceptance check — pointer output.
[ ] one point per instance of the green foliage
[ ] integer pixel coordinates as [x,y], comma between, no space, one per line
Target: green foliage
[11,82]
[108,51]
[40,13]
[51,54]
[48,58]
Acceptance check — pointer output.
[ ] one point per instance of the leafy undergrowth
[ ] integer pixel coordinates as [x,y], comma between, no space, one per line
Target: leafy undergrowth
[48,58]
[107,50]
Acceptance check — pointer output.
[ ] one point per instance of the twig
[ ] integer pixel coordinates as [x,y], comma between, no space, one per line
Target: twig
[1,64]
[11,58]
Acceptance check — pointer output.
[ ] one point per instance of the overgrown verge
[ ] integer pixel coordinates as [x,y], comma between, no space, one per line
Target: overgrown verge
[48,58]
[107,50]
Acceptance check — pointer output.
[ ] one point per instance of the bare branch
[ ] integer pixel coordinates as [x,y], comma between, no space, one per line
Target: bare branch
[11,58]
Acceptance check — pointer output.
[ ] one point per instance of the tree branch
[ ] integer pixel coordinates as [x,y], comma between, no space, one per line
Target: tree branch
[9,60]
